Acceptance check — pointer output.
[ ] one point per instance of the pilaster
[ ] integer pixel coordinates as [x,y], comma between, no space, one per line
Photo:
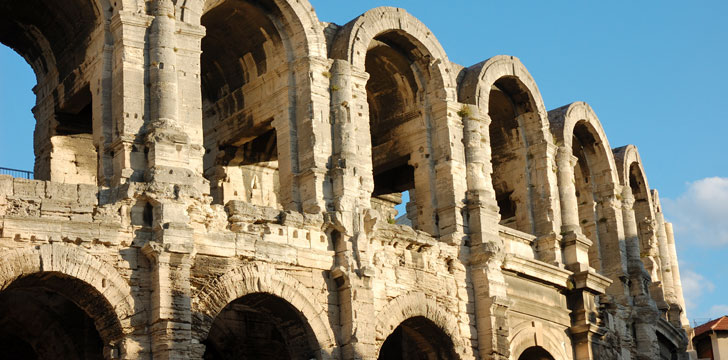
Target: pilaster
[128,105]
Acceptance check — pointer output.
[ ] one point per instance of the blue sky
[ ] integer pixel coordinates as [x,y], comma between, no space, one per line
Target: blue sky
[654,72]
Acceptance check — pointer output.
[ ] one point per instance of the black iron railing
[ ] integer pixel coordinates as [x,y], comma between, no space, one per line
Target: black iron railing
[16,173]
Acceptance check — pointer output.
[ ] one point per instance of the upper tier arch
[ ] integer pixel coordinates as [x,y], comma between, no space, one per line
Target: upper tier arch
[564,120]
[625,157]
[480,78]
[53,37]
[354,38]
[299,20]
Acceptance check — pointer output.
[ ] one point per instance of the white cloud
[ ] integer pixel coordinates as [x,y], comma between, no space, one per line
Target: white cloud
[700,214]
[717,311]
[694,287]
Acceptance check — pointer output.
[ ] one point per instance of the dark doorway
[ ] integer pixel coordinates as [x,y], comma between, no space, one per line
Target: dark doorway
[535,353]
[40,318]
[260,326]
[418,338]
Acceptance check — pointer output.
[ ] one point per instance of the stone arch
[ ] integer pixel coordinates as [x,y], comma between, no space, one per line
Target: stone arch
[59,41]
[253,278]
[80,265]
[256,68]
[475,88]
[301,22]
[44,33]
[563,122]
[625,157]
[579,133]
[400,88]
[519,141]
[416,304]
[532,333]
[354,38]
[632,175]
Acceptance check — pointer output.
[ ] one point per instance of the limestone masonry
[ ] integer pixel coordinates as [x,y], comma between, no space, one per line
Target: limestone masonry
[217,180]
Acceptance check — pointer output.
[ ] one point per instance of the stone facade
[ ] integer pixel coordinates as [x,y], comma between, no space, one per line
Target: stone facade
[218,180]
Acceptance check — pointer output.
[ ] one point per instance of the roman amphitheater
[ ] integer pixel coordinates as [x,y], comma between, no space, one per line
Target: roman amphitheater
[218,179]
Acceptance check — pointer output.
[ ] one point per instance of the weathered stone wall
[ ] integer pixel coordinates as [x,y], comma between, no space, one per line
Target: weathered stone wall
[218,180]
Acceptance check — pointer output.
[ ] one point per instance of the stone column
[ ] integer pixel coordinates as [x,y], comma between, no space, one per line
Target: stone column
[174,177]
[565,163]
[351,188]
[576,245]
[449,155]
[162,62]
[348,165]
[543,198]
[169,254]
[611,238]
[644,311]
[486,249]
[665,260]
[310,136]
[631,235]
[676,282]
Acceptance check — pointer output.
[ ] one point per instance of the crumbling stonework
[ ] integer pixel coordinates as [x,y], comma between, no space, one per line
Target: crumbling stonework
[218,180]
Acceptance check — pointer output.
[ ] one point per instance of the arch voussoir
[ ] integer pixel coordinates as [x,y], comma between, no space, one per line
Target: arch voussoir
[211,299]
[112,290]
[416,304]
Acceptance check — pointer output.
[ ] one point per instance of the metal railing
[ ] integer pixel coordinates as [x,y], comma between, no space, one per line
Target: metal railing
[16,173]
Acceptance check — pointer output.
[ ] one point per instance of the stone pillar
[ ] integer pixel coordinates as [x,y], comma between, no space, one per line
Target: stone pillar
[543,198]
[449,165]
[631,235]
[189,107]
[543,187]
[172,140]
[676,282]
[169,254]
[352,185]
[426,199]
[611,239]
[486,246]
[576,245]
[644,310]
[351,161]
[310,136]
[585,331]
[128,108]
[349,166]
[565,163]
[665,260]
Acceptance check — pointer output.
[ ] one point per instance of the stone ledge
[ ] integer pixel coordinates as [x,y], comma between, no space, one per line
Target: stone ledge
[537,270]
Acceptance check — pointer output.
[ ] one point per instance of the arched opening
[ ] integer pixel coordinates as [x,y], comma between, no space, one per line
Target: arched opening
[418,338]
[535,353]
[585,150]
[260,326]
[52,316]
[399,129]
[668,350]
[643,215]
[16,102]
[510,107]
[246,100]
[55,40]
